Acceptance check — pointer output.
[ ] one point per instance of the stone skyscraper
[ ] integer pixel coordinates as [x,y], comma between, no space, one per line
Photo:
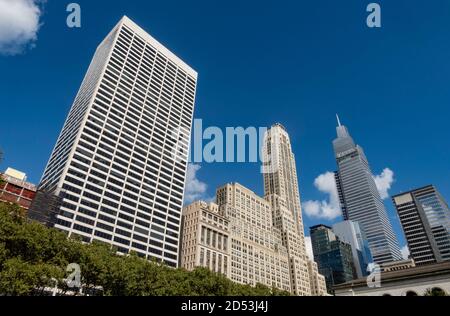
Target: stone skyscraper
[360,199]
[265,235]
[282,192]
[119,165]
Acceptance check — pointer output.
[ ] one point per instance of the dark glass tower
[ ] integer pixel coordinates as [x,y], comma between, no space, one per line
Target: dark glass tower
[333,256]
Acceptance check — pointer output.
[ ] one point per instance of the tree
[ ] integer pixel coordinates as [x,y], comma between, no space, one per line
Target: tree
[2,182]
[34,257]
[19,278]
[435,292]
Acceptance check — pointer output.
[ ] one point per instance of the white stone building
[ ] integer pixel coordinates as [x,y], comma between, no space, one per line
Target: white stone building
[415,281]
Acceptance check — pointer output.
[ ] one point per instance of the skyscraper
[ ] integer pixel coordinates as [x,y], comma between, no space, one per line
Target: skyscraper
[256,248]
[282,192]
[333,256]
[266,238]
[425,218]
[119,165]
[360,199]
[351,233]
[238,238]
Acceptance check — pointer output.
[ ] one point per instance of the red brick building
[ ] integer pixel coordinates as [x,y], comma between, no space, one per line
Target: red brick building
[15,188]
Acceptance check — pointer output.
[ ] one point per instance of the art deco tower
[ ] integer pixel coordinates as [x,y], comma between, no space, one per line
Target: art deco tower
[360,199]
[281,190]
[119,165]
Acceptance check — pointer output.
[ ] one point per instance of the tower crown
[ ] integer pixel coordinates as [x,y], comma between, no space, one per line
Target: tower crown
[341,130]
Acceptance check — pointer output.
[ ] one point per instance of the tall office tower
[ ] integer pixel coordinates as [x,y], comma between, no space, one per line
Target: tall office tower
[351,233]
[360,199]
[425,218]
[333,256]
[205,238]
[119,165]
[282,192]
[256,249]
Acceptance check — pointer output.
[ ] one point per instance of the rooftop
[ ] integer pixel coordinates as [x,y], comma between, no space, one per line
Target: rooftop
[405,274]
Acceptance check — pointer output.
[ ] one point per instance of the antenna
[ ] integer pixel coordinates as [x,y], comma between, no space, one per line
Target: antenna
[338,120]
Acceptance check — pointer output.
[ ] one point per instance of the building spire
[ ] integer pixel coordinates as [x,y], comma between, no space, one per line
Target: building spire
[341,129]
[338,120]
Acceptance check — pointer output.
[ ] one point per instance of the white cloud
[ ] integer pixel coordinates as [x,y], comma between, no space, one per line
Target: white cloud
[405,252]
[309,250]
[195,189]
[329,209]
[19,25]
[384,182]
[326,209]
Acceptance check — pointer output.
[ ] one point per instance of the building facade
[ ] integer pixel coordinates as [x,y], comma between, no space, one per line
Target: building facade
[267,242]
[205,238]
[414,281]
[334,257]
[425,218]
[282,192]
[317,280]
[360,199]
[397,265]
[252,248]
[256,249]
[351,233]
[16,189]
[119,165]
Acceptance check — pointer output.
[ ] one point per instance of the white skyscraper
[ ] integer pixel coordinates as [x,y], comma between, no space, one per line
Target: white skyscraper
[119,165]
[282,192]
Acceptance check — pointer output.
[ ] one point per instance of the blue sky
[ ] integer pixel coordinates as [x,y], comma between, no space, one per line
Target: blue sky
[261,62]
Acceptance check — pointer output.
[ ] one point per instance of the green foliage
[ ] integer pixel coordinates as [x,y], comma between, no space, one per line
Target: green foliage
[34,257]
[435,292]
[22,278]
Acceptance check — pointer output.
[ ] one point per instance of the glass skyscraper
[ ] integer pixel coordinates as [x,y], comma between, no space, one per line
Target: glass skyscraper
[333,256]
[425,218]
[360,199]
[119,165]
[351,233]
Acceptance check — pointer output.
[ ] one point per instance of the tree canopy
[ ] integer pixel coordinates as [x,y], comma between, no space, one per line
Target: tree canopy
[34,257]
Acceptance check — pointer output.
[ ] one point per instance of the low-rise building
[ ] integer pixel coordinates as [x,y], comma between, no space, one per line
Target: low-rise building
[205,238]
[16,189]
[397,265]
[416,281]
